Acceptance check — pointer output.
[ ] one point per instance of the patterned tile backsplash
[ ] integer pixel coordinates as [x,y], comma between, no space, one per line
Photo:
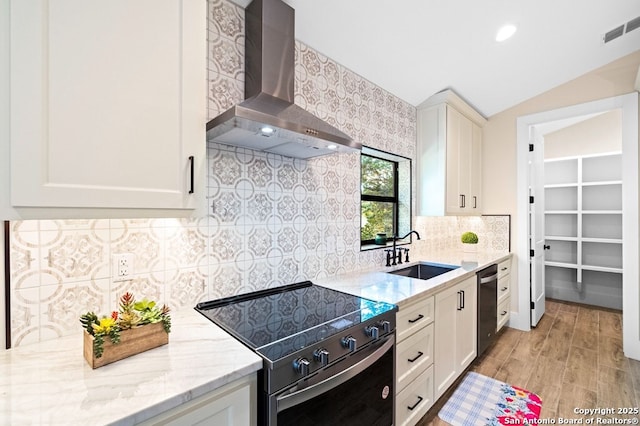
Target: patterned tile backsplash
[272,220]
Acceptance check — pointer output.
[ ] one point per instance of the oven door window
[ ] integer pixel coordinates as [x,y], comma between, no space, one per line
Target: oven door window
[366,399]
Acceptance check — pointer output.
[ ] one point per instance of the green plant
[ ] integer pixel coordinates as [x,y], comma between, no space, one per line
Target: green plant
[469,238]
[131,314]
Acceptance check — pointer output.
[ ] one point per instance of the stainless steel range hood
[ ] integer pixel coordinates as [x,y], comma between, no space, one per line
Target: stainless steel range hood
[268,120]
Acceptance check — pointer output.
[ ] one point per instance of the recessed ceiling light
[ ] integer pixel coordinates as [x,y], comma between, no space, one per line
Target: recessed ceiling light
[267,131]
[332,146]
[505,32]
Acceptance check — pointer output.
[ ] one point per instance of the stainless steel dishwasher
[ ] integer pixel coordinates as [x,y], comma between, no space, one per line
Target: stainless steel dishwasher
[487,306]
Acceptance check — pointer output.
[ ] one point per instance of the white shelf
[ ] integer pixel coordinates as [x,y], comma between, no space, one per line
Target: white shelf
[561,265]
[596,212]
[561,185]
[604,182]
[575,212]
[601,269]
[602,240]
[560,238]
[583,215]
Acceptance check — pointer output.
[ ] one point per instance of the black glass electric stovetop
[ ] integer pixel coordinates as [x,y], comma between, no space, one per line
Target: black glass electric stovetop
[280,321]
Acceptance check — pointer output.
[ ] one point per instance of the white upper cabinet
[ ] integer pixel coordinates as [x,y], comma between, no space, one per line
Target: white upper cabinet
[449,157]
[108,103]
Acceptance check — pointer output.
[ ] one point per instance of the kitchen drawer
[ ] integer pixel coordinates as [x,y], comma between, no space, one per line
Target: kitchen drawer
[504,310]
[411,319]
[504,288]
[413,356]
[504,268]
[413,402]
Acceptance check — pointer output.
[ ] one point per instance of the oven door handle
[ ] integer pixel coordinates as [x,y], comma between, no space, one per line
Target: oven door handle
[298,397]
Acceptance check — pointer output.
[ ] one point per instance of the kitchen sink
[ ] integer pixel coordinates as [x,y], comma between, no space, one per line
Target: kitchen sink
[424,271]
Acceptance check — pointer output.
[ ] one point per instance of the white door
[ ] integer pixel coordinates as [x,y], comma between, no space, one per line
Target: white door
[536,224]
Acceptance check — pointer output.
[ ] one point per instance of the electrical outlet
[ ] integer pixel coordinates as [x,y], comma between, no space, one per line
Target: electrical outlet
[122,266]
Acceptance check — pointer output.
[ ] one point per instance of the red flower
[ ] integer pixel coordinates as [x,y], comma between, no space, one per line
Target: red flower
[114,315]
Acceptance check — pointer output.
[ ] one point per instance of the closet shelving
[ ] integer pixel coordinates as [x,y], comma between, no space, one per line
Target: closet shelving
[583,228]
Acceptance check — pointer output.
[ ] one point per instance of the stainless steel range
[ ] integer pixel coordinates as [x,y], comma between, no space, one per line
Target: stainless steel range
[328,357]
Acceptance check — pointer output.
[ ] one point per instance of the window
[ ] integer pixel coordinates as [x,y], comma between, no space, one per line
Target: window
[385,195]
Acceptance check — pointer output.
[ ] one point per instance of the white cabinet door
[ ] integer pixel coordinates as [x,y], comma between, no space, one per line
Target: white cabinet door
[444,347]
[108,103]
[467,325]
[455,333]
[475,167]
[232,405]
[455,168]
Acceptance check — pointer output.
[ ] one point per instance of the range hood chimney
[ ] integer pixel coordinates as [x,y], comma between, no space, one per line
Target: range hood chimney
[268,120]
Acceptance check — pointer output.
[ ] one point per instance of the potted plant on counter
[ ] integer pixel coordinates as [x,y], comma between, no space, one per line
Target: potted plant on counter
[136,327]
[469,242]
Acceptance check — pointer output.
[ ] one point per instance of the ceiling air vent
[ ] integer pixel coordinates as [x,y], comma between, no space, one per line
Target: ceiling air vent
[614,34]
[633,24]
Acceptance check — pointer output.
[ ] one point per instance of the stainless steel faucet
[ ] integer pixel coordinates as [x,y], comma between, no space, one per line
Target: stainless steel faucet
[396,256]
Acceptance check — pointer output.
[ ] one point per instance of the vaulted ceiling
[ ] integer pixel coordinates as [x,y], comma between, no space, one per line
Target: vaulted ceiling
[415,48]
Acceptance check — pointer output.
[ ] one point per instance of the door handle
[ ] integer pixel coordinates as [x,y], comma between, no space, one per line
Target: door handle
[416,319]
[475,202]
[192,160]
[459,307]
[463,201]
[462,291]
[414,359]
[410,408]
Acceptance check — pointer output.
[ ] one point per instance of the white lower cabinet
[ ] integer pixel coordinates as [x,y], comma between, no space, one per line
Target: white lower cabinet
[232,405]
[455,333]
[414,361]
[504,293]
[413,402]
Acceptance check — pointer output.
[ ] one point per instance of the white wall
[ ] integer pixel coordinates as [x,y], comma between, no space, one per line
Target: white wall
[599,134]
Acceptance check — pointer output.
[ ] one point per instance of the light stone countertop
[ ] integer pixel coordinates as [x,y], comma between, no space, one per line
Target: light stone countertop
[50,383]
[381,286]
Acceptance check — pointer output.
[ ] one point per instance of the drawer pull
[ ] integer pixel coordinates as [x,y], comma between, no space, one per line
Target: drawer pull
[418,318]
[504,268]
[504,288]
[503,313]
[416,404]
[416,357]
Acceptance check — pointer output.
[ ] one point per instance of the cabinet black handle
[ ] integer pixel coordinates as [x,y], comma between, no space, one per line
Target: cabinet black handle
[416,404]
[462,201]
[504,269]
[504,288]
[503,313]
[546,247]
[192,161]
[416,319]
[462,291]
[475,202]
[459,307]
[416,357]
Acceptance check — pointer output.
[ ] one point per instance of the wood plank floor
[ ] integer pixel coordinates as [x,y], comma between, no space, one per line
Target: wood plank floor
[572,359]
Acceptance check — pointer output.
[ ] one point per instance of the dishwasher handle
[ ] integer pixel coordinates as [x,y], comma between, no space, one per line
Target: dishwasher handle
[484,280]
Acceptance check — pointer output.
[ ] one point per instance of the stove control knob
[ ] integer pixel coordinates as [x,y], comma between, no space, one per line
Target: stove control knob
[372,331]
[386,326]
[301,365]
[350,343]
[322,356]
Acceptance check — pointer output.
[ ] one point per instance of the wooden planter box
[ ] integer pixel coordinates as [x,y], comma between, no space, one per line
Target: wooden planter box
[132,341]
